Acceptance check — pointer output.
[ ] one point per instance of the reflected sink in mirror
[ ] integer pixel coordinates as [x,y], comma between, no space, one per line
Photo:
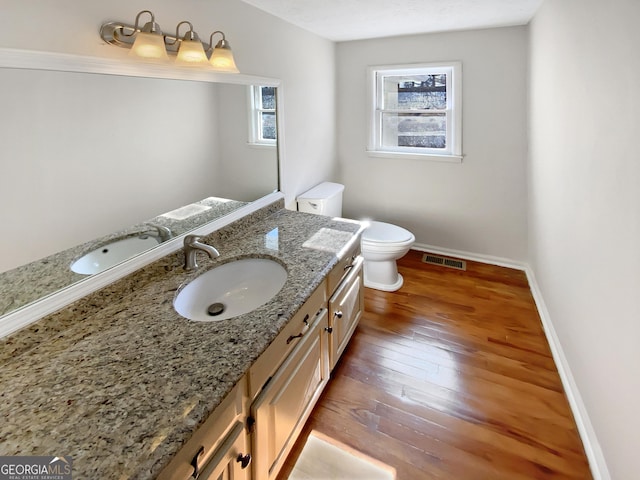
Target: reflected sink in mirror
[111,254]
[232,289]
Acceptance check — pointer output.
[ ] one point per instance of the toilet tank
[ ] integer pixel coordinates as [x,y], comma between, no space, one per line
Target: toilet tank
[323,199]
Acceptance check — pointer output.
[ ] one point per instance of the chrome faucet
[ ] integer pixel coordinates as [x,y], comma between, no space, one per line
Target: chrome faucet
[191,246]
[163,232]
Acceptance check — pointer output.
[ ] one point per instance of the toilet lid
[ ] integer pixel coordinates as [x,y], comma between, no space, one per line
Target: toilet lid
[380,232]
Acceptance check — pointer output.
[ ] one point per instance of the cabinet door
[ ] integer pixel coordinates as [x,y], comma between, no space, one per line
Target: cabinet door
[345,309]
[285,403]
[231,461]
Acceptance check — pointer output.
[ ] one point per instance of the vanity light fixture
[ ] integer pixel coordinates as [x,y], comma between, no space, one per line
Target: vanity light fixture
[191,51]
[150,43]
[221,57]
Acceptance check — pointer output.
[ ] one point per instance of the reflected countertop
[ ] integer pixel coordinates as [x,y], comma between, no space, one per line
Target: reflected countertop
[119,381]
[30,282]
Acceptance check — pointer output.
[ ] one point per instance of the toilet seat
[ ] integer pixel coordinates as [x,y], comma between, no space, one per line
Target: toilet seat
[386,234]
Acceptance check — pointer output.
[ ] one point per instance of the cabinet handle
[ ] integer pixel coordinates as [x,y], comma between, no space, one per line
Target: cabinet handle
[347,267]
[251,422]
[328,329]
[195,463]
[244,460]
[338,314]
[302,332]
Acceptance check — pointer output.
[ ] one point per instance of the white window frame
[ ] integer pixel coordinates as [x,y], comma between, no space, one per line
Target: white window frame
[255,118]
[453,112]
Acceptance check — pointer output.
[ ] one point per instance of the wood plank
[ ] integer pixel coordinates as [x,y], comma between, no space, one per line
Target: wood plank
[448,354]
[451,377]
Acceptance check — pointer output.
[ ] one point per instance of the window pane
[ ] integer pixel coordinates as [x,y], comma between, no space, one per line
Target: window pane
[423,130]
[268,121]
[432,141]
[268,97]
[415,92]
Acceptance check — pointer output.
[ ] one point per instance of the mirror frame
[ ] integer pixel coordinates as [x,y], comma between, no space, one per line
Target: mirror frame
[37,60]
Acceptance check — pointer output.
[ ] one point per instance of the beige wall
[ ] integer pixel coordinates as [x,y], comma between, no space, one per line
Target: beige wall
[476,206]
[584,208]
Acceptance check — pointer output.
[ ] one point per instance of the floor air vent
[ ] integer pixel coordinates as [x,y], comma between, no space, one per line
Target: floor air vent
[444,262]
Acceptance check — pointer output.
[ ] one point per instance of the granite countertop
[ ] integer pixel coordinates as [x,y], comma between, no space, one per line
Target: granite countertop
[119,381]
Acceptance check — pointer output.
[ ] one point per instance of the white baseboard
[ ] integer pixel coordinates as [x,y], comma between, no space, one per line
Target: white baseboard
[592,448]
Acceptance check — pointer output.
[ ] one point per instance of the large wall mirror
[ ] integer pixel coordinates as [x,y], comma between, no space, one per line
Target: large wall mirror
[90,159]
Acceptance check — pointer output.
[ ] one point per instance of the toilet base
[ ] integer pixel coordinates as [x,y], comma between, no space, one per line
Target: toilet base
[385,287]
[381,275]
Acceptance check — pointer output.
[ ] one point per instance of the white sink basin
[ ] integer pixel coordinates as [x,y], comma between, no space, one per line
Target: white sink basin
[113,253]
[230,290]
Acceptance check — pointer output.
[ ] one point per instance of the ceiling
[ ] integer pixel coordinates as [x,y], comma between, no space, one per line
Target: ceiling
[343,20]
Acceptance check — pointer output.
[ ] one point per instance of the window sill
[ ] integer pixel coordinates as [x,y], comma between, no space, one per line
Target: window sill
[264,146]
[417,156]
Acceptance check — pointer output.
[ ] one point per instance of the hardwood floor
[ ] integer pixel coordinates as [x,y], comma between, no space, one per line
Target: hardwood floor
[451,377]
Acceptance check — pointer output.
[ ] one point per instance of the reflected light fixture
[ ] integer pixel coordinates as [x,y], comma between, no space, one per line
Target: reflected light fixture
[150,43]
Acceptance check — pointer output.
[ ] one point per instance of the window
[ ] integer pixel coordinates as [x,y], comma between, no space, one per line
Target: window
[416,110]
[263,129]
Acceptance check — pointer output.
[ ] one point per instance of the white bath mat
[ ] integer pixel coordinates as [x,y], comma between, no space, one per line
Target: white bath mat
[323,458]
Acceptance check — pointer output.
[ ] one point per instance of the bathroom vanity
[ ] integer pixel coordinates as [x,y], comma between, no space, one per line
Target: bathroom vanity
[253,430]
[130,389]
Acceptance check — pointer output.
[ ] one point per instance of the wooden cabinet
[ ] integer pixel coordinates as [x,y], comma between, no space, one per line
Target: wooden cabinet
[284,399]
[346,306]
[282,407]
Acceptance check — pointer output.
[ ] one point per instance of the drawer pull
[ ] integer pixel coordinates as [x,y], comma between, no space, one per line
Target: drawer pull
[338,314]
[195,463]
[244,460]
[347,267]
[302,332]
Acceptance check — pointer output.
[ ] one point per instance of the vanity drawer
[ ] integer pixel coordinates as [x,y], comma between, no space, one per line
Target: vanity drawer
[343,267]
[287,339]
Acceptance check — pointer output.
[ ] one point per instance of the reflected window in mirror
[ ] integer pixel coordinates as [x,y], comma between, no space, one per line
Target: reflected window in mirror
[262,128]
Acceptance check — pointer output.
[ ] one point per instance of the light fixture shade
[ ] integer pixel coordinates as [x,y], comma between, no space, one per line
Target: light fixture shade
[191,52]
[222,58]
[150,46]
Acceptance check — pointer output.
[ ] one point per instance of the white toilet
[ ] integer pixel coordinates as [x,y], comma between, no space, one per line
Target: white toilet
[382,243]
